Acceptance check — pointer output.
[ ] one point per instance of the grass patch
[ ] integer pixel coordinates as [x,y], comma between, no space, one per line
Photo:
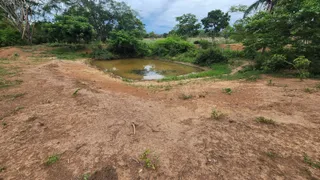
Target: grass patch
[264,120]
[270,82]
[52,159]
[216,71]
[185,96]
[227,91]
[271,154]
[4,124]
[317,86]
[69,53]
[7,83]
[217,115]
[12,96]
[2,168]
[149,161]
[309,90]
[309,161]
[75,93]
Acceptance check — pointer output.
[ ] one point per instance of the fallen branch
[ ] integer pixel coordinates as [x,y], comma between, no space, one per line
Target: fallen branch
[134,128]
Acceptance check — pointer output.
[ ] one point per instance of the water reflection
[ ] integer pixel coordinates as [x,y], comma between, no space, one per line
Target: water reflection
[144,69]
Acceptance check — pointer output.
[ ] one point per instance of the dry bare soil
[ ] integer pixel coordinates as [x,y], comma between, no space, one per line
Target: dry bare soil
[91,131]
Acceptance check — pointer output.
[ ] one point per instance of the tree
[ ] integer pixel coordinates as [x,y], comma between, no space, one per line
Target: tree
[292,30]
[70,29]
[19,14]
[215,22]
[187,25]
[268,5]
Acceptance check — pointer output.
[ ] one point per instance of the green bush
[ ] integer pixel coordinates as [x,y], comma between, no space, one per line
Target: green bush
[274,64]
[126,44]
[204,44]
[9,37]
[171,46]
[233,54]
[103,54]
[209,56]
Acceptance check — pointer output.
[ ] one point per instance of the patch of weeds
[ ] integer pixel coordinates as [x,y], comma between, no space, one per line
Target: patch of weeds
[227,91]
[127,80]
[12,96]
[86,176]
[18,109]
[309,90]
[75,93]
[270,82]
[215,114]
[4,124]
[271,154]
[317,86]
[52,159]
[2,169]
[185,97]
[252,78]
[6,83]
[149,161]
[264,120]
[309,161]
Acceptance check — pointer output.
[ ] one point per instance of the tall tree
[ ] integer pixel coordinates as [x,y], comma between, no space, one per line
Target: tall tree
[267,5]
[187,25]
[215,22]
[19,13]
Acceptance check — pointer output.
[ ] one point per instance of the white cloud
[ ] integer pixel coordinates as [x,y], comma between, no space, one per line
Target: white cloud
[159,15]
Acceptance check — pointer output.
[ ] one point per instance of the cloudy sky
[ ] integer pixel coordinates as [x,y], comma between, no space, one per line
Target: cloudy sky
[159,15]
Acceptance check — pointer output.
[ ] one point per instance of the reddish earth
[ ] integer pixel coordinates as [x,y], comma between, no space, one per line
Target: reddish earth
[92,132]
[234,47]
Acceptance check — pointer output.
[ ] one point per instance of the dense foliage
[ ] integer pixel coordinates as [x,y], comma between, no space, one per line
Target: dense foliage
[187,25]
[71,29]
[209,56]
[292,30]
[171,46]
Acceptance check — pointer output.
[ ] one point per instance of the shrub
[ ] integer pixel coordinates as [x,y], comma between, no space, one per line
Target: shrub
[103,54]
[274,64]
[209,56]
[171,46]
[204,44]
[126,44]
[233,54]
[9,37]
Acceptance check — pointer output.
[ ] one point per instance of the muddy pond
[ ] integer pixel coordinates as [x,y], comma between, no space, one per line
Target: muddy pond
[145,69]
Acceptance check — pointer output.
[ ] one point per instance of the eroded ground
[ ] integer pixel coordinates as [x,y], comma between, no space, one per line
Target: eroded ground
[91,131]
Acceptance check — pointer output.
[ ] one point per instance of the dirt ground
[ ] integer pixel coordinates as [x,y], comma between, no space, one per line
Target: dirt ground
[92,132]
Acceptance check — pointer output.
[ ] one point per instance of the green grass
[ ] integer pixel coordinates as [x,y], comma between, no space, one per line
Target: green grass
[271,155]
[215,114]
[149,161]
[185,97]
[227,91]
[317,86]
[2,168]
[75,93]
[308,160]
[7,83]
[68,53]
[11,96]
[217,70]
[52,159]
[264,120]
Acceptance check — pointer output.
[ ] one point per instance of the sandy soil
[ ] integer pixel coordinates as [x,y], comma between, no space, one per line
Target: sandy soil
[92,132]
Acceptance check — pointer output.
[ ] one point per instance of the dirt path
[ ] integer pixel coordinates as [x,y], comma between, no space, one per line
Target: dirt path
[92,132]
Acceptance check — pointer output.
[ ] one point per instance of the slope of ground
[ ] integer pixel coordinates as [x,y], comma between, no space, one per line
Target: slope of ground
[103,128]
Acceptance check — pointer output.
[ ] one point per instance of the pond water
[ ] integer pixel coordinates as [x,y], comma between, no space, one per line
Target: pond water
[144,69]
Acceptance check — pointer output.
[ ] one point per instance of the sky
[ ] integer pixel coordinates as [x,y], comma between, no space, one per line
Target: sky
[159,15]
